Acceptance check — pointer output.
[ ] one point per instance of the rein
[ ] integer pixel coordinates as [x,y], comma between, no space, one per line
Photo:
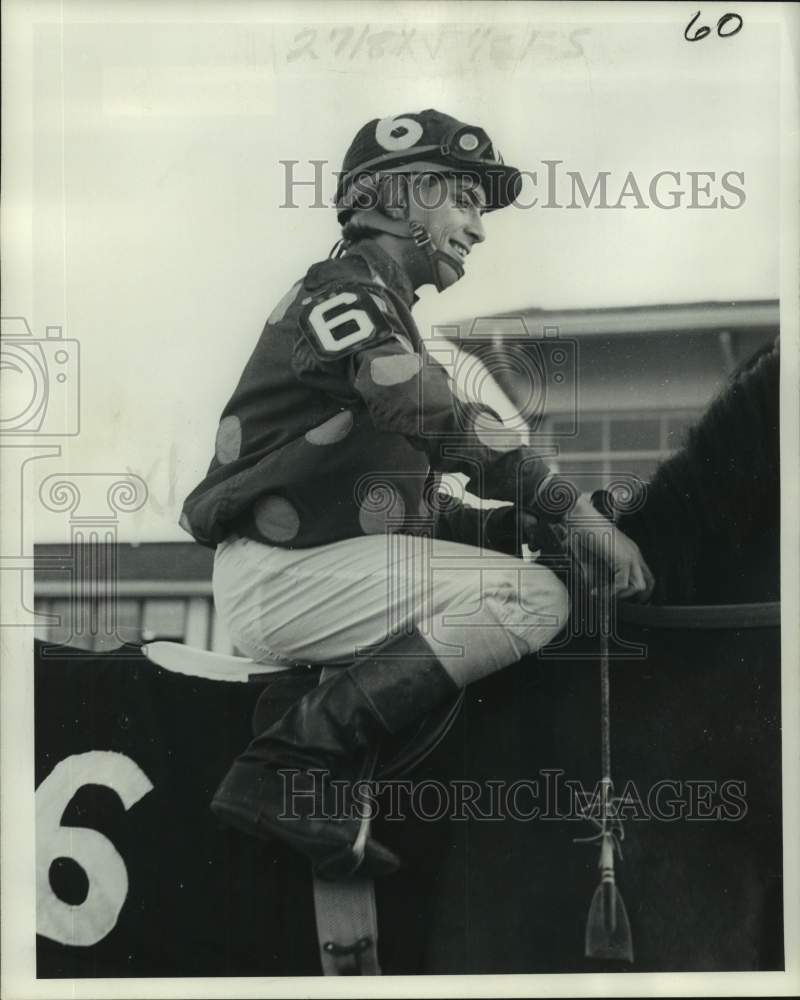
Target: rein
[608,932]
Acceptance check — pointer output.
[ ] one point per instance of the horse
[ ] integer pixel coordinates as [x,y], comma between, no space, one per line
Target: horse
[496,882]
[700,715]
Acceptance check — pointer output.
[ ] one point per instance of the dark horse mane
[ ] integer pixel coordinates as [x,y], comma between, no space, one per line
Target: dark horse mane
[709,527]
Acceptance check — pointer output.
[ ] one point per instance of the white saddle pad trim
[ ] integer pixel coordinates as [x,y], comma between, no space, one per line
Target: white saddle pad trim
[180,659]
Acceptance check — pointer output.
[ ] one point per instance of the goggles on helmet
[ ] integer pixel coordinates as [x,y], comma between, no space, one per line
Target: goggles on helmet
[459,148]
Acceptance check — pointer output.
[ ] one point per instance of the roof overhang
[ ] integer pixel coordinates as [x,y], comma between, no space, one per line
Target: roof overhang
[693,317]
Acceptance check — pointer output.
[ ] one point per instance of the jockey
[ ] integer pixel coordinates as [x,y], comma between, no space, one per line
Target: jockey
[335,542]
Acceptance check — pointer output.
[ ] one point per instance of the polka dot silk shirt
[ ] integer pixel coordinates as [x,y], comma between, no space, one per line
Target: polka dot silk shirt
[342,423]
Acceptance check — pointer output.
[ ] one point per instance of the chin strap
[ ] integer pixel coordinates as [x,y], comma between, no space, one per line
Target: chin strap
[412,230]
[437,258]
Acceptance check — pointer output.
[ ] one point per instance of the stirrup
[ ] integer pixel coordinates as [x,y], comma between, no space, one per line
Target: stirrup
[352,856]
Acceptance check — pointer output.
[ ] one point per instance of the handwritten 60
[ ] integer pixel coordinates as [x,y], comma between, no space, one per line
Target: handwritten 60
[703,30]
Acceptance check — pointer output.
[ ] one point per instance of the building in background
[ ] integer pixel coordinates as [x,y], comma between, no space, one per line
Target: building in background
[159,590]
[641,376]
[644,375]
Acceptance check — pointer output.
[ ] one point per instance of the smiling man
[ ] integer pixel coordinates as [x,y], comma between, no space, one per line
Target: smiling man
[335,543]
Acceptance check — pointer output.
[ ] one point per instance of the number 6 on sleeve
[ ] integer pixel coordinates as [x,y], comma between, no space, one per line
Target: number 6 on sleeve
[341,321]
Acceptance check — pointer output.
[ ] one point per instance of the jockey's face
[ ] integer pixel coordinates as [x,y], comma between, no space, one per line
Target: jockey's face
[450,208]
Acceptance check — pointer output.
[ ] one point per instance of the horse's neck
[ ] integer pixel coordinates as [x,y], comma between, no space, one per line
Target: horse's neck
[710,526]
[695,566]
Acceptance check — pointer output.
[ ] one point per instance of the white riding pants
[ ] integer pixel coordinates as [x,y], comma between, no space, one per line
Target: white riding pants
[478,610]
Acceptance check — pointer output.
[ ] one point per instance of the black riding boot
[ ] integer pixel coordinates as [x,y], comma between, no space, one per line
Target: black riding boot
[280,785]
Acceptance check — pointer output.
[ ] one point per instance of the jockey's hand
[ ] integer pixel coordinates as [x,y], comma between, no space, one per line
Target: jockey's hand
[600,543]
[529,525]
[548,539]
